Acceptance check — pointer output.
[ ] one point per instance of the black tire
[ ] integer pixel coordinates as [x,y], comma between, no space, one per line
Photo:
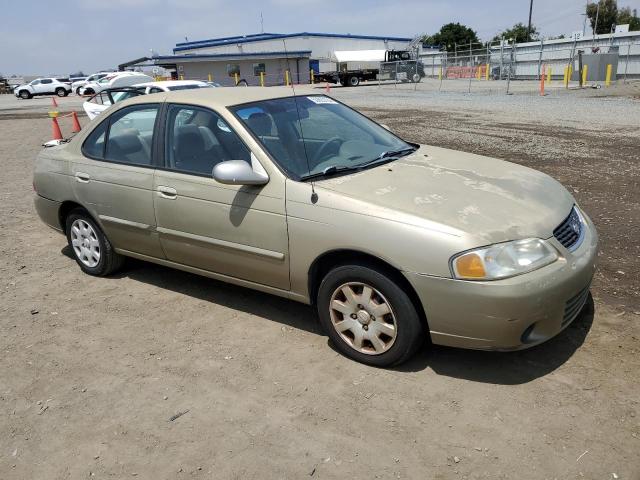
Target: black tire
[353,81]
[88,91]
[410,331]
[78,91]
[25,94]
[242,83]
[415,78]
[61,92]
[109,261]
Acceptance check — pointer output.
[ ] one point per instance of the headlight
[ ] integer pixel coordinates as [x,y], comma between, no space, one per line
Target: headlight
[503,260]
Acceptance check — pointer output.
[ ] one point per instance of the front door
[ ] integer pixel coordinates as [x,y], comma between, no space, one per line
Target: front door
[113,178]
[238,231]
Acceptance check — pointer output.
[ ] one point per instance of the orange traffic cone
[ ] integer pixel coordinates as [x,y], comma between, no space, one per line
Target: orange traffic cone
[327,88]
[76,124]
[55,129]
[53,102]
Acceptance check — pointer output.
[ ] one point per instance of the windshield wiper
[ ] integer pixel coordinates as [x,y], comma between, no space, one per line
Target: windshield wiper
[333,169]
[393,154]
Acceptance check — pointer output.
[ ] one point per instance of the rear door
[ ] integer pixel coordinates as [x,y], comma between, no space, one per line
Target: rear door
[238,231]
[113,178]
[46,86]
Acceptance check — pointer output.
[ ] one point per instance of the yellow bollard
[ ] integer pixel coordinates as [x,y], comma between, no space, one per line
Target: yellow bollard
[286,77]
[607,81]
[549,76]
[181,77]
[440,74]
[235,77]
[565,78]
[262,79]
[312,76]
[585,75]
[486,72]
[210,77]
[478,72]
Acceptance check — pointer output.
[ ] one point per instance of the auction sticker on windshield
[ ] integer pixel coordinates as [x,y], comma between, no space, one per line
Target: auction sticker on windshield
[321,100]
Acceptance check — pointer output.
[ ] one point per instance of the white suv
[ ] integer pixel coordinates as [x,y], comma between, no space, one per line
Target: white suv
[42,86]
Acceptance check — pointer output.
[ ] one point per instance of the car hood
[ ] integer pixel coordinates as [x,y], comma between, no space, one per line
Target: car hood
[485,198]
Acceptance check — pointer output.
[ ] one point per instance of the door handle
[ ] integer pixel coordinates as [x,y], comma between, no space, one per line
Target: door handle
[82,177]
[167,192]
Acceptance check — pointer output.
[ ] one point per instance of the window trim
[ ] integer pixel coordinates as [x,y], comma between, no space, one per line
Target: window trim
[164,165]
[153,164]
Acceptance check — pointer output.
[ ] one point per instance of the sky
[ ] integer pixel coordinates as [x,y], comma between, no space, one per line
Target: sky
[89,35]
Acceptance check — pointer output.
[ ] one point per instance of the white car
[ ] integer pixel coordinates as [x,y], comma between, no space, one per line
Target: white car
[77,85]
[103,100]
[115,80]
[42,86]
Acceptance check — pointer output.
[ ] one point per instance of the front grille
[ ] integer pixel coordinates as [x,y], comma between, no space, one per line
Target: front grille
[574,306]
[569,232]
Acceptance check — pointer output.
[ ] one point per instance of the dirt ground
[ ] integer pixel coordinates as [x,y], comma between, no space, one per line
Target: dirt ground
[155,373]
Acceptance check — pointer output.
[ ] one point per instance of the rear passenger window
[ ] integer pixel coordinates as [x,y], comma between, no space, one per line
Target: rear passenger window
[93,146]
[129,138]
[198,139]
[131,134]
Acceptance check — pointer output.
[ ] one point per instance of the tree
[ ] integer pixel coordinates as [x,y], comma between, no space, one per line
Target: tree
[450,35]
[519,33]
[626,15]
[606,14]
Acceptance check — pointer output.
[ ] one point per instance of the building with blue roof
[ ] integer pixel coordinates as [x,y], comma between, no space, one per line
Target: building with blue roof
[266,57]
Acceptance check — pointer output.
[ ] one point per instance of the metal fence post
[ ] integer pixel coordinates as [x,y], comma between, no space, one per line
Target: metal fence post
[626,65]
[540,58]
[501,56]
[511,57]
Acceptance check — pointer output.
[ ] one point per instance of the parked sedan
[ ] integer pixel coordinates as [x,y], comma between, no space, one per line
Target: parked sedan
[303,197]
[103,100]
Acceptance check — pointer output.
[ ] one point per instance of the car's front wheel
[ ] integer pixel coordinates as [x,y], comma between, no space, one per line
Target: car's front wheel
[368,316]
[78,91]
[90,246]
[25,94]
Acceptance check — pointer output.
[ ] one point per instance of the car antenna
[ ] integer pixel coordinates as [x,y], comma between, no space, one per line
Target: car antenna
[314,195]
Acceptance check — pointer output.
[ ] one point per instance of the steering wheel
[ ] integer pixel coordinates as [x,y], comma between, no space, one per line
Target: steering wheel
[322,151]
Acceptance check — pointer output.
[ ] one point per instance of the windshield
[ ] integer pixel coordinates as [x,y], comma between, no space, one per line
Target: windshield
[320,135]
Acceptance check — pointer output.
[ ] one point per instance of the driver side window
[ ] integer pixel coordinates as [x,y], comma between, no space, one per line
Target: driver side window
[198,139]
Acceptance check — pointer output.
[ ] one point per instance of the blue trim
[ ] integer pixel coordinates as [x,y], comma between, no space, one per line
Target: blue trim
[292,54]
[259,37]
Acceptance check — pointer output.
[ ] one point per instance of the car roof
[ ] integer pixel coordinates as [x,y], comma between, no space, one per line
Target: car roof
[217,97]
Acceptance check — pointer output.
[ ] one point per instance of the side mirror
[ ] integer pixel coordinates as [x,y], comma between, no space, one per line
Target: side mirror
[238,172]
[386,127]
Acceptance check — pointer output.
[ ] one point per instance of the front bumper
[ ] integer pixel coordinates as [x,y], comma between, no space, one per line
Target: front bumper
[513,313]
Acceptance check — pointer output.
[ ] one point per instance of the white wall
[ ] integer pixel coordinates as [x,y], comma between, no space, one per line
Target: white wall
[274,71]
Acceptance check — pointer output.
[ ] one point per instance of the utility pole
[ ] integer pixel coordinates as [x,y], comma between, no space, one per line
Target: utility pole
[529,27]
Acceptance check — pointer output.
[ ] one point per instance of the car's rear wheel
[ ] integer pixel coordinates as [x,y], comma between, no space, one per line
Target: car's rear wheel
[90,246]
[78,90]
[88,91]
[416,78]
[25,94]
[61,92]
[368,316]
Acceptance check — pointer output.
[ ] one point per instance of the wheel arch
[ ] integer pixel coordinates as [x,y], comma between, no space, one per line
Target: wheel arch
[67,207]
[334,258]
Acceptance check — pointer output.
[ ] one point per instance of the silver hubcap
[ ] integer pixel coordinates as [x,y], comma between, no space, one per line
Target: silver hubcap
[363,318]
[85,243]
